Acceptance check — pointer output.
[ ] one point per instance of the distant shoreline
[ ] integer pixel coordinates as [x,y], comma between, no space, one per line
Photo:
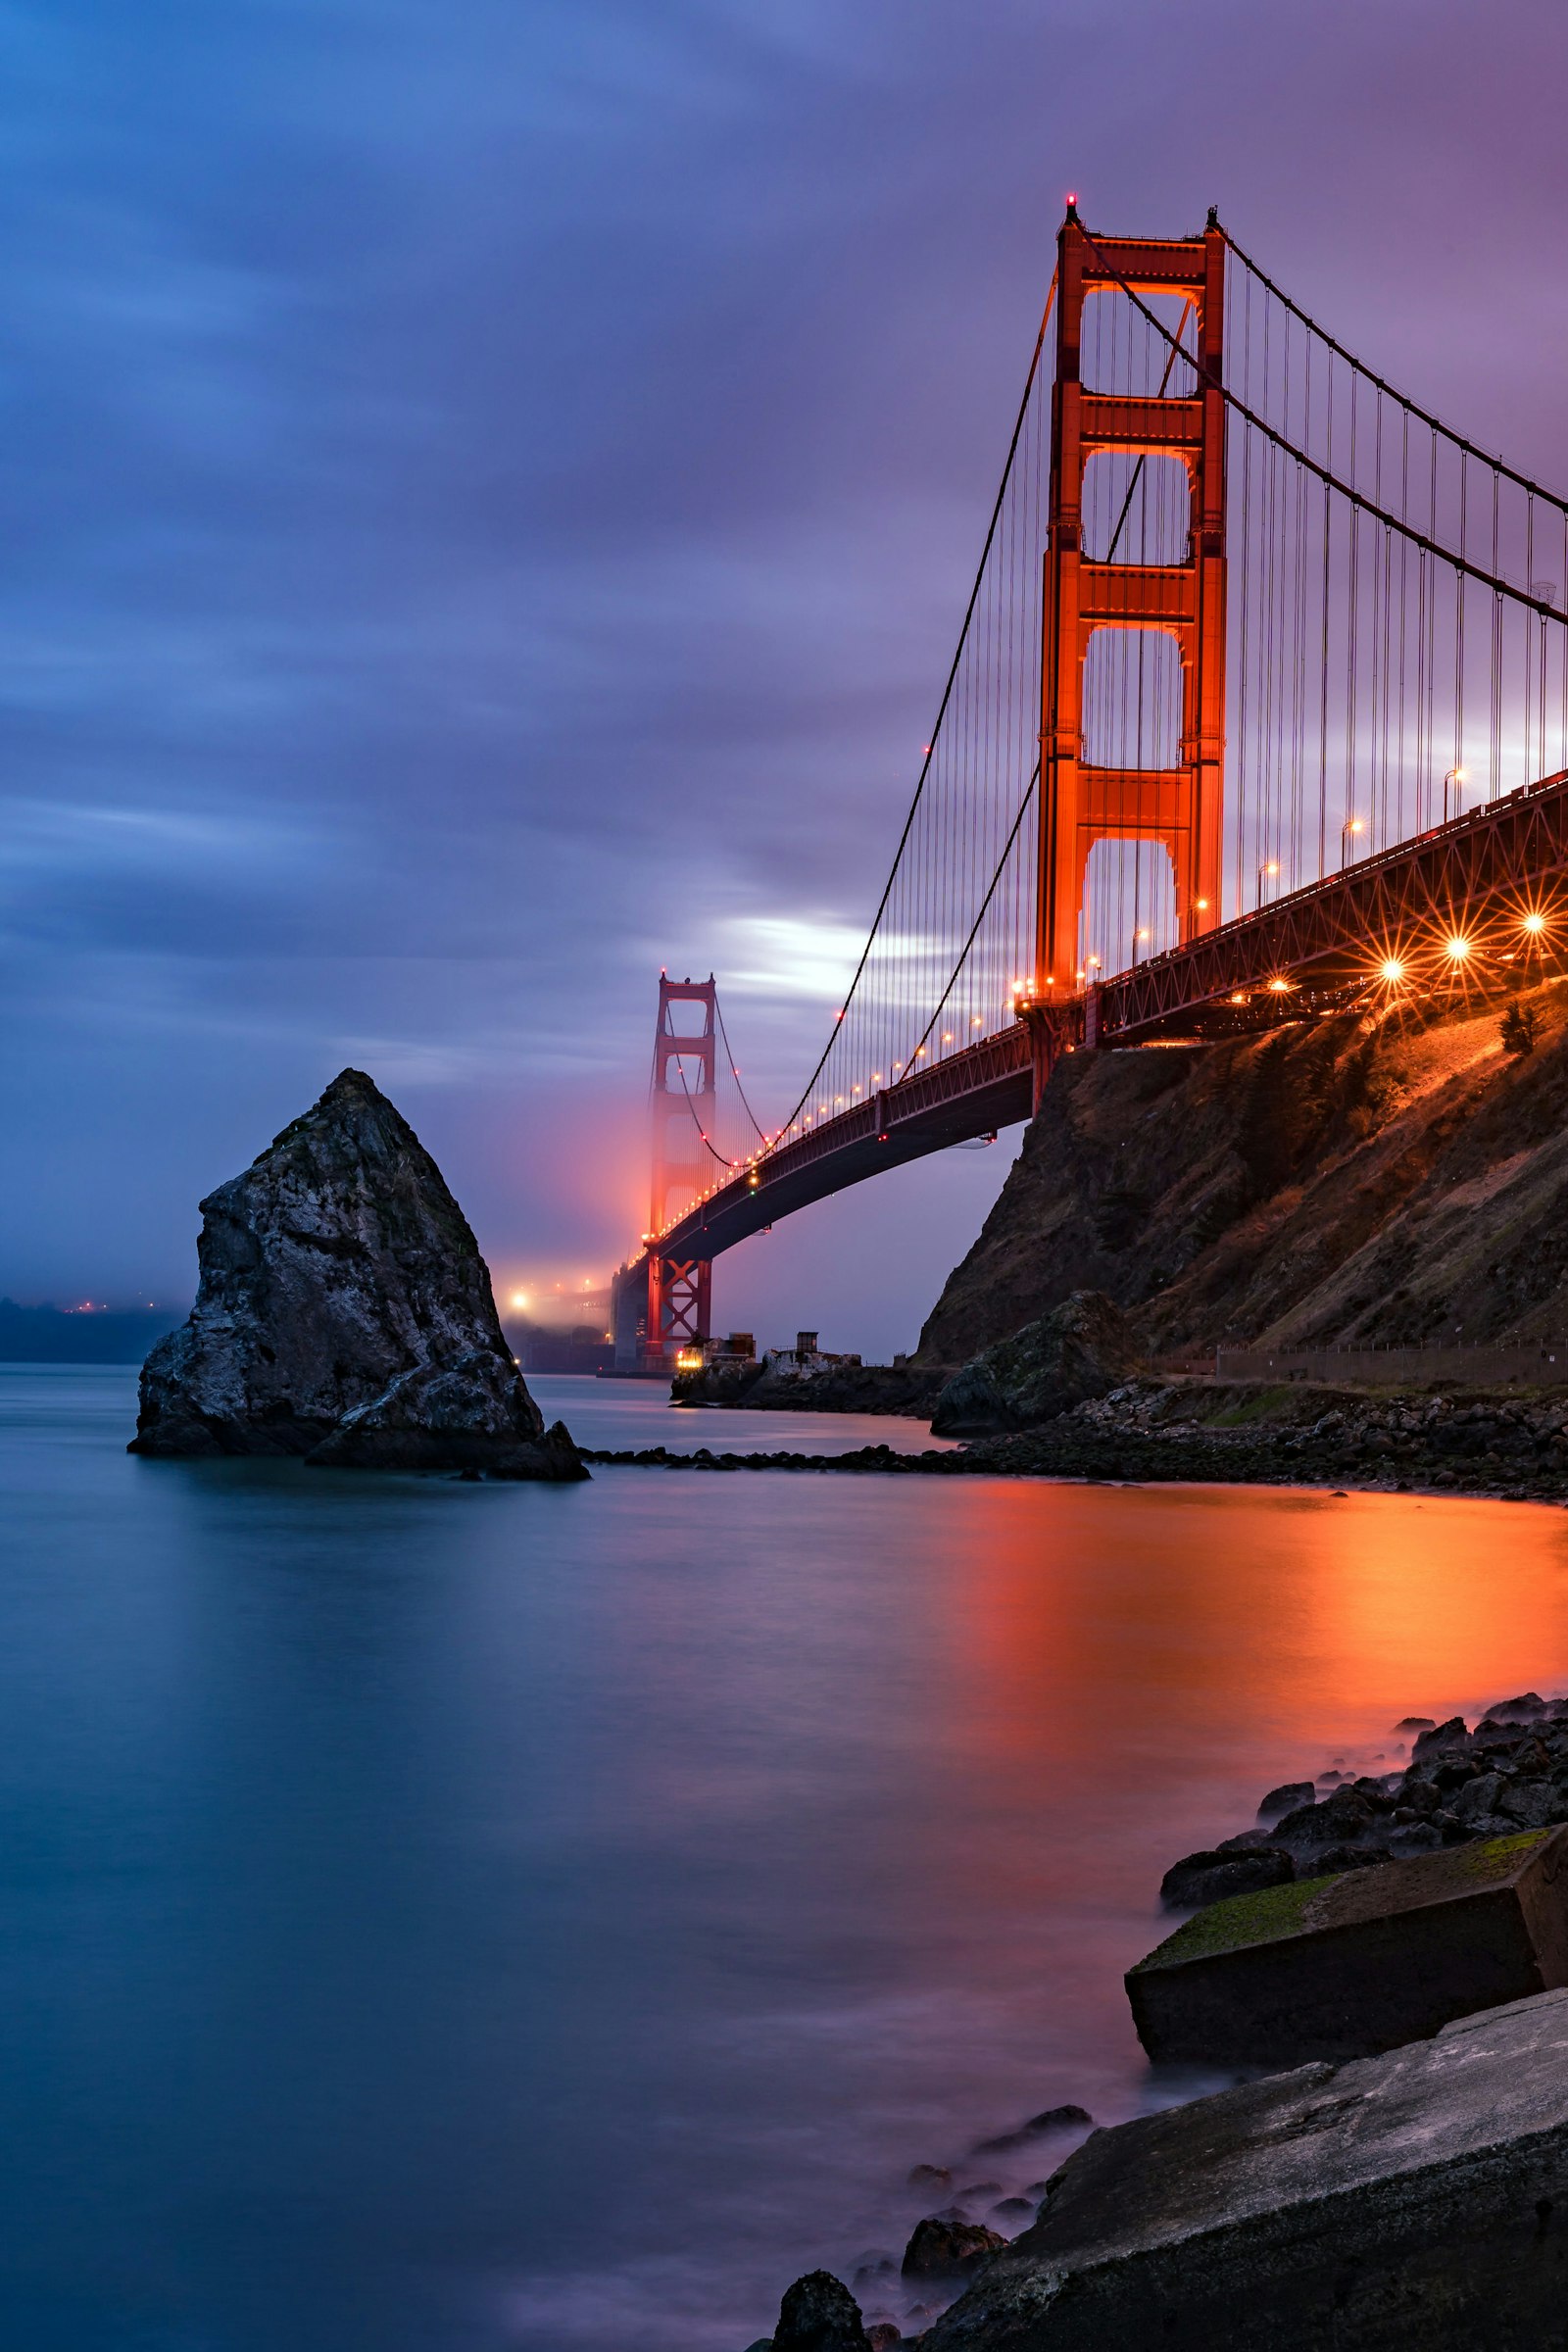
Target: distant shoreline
[53,1335]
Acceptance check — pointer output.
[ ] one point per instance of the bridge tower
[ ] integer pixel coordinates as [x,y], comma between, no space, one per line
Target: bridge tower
[680,1289]
[1080,805]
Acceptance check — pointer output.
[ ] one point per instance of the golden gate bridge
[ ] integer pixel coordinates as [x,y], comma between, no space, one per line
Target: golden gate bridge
[1259,709]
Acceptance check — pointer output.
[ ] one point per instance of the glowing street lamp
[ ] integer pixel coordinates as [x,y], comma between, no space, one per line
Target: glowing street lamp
[1534,924]
[1455,776]
[1457,949]
[1391,969]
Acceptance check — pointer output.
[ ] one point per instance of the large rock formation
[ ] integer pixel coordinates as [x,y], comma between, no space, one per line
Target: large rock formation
[344,1314]
[1415,2200]
[1083,1348]
[1344,1180]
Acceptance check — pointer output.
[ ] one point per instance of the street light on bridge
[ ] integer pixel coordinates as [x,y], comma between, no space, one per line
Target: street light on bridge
[1456,777]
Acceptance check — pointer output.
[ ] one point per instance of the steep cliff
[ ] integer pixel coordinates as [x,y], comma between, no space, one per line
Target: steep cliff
[1395,1177]
[344,1314]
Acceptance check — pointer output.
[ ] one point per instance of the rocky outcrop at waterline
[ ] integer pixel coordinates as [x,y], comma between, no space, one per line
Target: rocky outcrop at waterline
[1236,1433]
[344,1316]
[1082,1349]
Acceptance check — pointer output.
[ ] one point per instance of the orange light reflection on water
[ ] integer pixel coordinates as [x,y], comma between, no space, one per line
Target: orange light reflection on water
[1308,1619]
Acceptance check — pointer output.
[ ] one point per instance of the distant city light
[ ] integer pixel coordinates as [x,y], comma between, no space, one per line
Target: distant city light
[1279,985]
[519,1299]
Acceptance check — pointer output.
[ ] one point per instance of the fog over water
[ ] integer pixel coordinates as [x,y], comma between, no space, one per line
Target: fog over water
[523,1919]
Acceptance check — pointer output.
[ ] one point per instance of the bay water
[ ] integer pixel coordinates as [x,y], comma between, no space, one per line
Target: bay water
[522,1919]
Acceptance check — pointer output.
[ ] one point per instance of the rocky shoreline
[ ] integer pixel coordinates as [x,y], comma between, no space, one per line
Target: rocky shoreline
[1461,1786]
[1212,1432]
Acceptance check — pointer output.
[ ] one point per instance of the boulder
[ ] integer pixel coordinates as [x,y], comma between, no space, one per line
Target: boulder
[1286,1799]
[1418,2198]
[940,2248]
[1449,1735]
[344,1314]
[1082,1348]
[1343,1966]
[1344,1818]
[1208,1877]
[818,2314]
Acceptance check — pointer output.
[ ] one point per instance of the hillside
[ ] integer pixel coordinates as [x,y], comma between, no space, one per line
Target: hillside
[1395,1177]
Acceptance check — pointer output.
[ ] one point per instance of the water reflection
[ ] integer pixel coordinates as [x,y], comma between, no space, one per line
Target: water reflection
[510,1918]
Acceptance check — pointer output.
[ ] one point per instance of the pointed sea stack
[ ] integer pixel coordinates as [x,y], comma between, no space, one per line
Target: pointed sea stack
[344,1314]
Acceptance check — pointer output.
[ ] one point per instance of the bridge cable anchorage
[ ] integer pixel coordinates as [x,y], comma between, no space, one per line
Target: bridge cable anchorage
[930,752]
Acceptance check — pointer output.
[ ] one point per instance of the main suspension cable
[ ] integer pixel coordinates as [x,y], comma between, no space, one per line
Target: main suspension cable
[942,708]
[1357,498]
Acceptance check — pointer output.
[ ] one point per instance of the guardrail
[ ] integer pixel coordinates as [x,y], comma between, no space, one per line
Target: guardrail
[1484,1364]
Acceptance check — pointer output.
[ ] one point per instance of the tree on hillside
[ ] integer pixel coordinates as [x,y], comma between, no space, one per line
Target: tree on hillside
[1519,1027]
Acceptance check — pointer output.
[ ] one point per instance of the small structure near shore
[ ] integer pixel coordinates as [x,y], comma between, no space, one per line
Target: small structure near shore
[1419,2198]
[345,1316]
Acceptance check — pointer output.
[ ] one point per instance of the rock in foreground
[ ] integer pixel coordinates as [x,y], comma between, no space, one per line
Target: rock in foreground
[818,2314]
[1389,2202]
[344,1314]
[1341,1967]
[1417,2198]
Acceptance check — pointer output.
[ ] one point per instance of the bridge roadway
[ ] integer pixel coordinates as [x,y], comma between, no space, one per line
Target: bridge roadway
[1465,878]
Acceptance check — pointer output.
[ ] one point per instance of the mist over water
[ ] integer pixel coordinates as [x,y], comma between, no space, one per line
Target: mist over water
[547,1920]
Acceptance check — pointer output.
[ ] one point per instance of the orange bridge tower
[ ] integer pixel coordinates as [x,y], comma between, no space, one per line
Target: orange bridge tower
[1080,805]
[684,1100]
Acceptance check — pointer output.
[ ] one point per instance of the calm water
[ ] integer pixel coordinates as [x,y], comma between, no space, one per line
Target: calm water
[531,1920]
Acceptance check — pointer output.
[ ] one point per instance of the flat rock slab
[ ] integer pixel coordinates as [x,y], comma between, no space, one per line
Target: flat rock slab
[1344,1967]
[1418,2198]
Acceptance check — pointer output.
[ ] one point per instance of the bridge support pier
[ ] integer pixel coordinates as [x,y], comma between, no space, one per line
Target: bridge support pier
[681,1298]
[1053,1030]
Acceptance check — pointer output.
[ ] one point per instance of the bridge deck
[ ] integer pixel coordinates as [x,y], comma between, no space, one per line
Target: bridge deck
[1478,869]
[1462,877]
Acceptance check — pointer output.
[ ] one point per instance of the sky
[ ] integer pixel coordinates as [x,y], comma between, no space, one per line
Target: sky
[490,488]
